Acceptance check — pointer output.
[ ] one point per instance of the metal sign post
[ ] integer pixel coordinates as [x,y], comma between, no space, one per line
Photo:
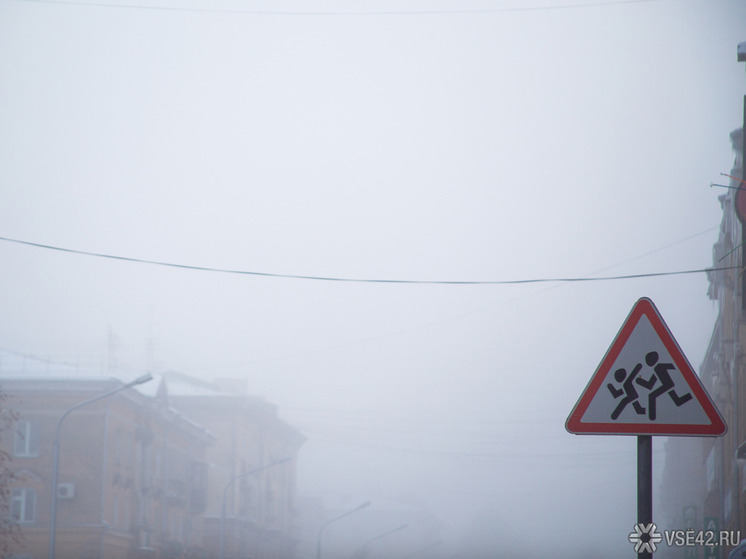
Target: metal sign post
[645,386]
[644,485]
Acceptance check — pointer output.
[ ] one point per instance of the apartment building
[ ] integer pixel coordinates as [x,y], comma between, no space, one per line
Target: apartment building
[132,474]
[704,480]
[251,506]
[147,472]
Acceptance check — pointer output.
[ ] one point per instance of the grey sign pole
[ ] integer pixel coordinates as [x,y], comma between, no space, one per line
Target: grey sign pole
[644,485]
[643,335]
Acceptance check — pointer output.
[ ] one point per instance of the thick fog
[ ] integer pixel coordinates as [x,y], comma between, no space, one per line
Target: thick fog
[429,141]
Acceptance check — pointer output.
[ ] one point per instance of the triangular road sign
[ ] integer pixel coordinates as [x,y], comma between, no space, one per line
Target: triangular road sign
[645,386]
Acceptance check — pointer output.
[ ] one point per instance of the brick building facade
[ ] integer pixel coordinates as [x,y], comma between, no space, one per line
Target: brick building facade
[141,473]
[704,480]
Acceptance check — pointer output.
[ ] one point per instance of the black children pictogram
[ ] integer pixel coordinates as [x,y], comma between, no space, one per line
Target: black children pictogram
[666,386]
[627,389]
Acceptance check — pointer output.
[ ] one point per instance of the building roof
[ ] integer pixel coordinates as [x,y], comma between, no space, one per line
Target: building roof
[36,373]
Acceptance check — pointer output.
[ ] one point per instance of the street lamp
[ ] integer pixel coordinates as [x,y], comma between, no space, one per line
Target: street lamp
[364,550]
[56,453]
[323,526]
[225,492]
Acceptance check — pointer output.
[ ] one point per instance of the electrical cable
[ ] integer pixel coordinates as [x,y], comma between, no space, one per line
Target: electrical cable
[339,13]
[368,280]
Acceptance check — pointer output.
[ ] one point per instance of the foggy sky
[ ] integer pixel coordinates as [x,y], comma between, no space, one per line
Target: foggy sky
[431,140]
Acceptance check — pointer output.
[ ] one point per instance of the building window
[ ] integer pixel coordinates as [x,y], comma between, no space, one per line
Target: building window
[115,511]
[158,461]
[130,451]
[27,439]
[117,447]
[23,505]
[710,469]
[127,511]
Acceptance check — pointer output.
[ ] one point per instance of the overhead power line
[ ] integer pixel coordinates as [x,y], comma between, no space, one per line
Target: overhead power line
[547,7]
[366,280]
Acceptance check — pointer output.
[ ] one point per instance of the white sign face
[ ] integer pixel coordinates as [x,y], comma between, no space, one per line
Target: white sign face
[645,385]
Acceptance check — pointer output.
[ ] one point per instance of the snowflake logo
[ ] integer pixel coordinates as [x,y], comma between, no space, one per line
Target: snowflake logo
[645,537]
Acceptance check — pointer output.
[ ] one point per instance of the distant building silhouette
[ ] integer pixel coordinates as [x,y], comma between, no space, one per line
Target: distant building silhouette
[704,479]
[142,472]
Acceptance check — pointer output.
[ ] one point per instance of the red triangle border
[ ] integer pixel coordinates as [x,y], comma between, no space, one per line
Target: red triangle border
[645,307]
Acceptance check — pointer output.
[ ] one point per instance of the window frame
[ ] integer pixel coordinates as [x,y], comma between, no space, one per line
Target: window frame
[26,442]
[23,505]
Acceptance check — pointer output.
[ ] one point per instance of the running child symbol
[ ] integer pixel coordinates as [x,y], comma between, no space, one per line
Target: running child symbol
[667,384]
[627,389]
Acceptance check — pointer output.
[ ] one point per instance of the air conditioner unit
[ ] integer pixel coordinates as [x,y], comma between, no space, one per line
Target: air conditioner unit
[65,490]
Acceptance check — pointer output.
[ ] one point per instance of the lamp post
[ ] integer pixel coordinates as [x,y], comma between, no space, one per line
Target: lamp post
[364,551]
[323,526]
[225,492]
[56,454]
